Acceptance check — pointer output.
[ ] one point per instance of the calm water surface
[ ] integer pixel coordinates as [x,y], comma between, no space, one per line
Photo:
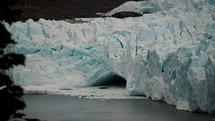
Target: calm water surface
[67,108]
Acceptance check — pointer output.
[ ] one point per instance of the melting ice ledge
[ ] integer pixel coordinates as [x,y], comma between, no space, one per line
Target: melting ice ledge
[168,56]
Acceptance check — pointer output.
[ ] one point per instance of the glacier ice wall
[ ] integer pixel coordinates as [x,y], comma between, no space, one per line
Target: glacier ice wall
[167,55]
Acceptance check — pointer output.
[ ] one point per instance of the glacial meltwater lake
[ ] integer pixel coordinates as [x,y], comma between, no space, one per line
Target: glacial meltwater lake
[68,108]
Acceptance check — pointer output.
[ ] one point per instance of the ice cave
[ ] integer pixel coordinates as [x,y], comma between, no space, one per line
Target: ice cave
[166,55]
[111,80]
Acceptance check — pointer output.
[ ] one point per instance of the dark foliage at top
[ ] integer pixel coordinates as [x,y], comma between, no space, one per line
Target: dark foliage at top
[7,13]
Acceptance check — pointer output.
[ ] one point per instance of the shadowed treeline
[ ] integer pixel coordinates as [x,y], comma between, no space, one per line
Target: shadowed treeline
[65,9]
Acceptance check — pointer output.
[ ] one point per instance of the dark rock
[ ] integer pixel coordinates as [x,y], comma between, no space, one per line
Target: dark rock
[103,87]
[125,14]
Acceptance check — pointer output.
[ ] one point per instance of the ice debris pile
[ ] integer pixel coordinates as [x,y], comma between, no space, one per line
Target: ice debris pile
[167,55]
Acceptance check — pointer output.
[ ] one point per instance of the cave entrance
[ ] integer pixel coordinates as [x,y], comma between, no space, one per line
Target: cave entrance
[112,81]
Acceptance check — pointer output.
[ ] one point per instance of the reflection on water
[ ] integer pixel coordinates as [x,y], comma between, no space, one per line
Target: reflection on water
[66,108]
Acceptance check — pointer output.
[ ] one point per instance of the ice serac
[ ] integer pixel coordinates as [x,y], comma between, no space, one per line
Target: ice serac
[167,55]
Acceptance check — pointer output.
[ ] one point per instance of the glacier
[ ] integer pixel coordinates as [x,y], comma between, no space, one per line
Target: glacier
[167,54]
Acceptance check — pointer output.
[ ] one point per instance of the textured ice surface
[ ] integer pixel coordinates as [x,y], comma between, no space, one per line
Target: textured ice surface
[167,55]
[98,92]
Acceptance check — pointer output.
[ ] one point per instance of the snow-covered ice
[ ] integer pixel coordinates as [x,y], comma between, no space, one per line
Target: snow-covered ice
[167,55]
